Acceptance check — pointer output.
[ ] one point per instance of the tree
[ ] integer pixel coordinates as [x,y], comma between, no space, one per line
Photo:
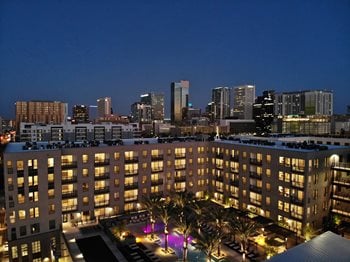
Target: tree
[245,228]
[165,214]
[184,203]
[309,232]
[151,205]
[186,226]
[207,242]
[218,217]
[119,229]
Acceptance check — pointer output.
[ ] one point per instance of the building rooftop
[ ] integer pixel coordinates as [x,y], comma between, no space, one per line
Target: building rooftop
[325,247]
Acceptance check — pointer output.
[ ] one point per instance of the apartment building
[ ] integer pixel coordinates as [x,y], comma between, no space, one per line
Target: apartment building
[49,184]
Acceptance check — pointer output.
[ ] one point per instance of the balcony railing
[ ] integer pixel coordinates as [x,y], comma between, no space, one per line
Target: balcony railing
[101,162]
[69,165]
[341,196]
[255,201]
[101,204]
[234,158]
[101,190]
[156,194]
[68,209]
[69,194]
[298,169]
[219,178]
[234,170]
[102,176]
[157,169]
[130,199]
[255,189]
[157,158]
[254,175]
[134,159]
[130,186]
[296,201]
[157,182]
[255,161]
[180,155]
[219,155]
[341,181]
[180,167]
[219,167]
[297,184]
[180,179]
[234,182]
[68,180]
[131,172]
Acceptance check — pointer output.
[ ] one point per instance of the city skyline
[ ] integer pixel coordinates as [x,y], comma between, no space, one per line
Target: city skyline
[76,53]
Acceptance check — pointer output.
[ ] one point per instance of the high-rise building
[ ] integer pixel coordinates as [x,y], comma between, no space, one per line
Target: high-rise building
[243,100]
[310,102]
[179,99]
[141,113]
[221,97]
[80,114]
[156,101]
[104,107]
[45,112]
[263,112]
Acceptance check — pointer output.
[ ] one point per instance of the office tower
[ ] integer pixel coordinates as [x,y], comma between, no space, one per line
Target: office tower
[292,184]
[80,114]
[304,103]
[263,112]
[156,101]
[179,99]
[221,97]
[243,100]
[141,113]
[104,107]
[45,112]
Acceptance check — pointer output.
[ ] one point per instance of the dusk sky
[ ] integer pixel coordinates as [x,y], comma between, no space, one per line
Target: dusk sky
[78,51]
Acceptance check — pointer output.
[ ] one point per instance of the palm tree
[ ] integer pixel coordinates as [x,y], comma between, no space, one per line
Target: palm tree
[165,214]
[245,228]
[207,243]
[151,204]
[219,217]
[119,229]
[183,202]
[186,226]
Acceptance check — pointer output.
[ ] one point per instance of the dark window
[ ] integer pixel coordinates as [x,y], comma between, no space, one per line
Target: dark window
[52,224]
[23,230]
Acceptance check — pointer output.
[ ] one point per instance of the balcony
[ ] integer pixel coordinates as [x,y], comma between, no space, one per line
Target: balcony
[131,172]
[68,180]
[255,175]
[180,155]
[297,184]
[298,169]
[101,204]
[129,160]
[234,182]
[341,196]
[156,194]
[101,162]
[157,158]
[296,215]
[255,161]
[219,178]
[234,158]
[219,155]
[130,186]
[69,209]
[235,195]
[219,189]
[338,180]
[157,169]
[296,201]
[255,189]
[130,199]
[69,194]
[180,167]
[255,201]
[69,165]
[101,190]
[234,170]
[180,179]
[221,167]
[157,182]
[102,176]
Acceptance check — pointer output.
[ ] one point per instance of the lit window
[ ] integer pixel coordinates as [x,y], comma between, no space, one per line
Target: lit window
[24,250]
[22,214]
[36,248]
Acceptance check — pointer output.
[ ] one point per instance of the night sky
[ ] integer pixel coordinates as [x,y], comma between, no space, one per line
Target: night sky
[78,51]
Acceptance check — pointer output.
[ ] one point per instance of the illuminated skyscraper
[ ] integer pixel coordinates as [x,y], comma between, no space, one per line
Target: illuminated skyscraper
[104,107]
[156,101]
[221,99]
[179,99]
[80,114]
[243,100]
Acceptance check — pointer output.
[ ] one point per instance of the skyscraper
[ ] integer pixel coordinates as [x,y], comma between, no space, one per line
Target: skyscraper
[141,113]
[309,102]
[179,99]
[80,114]
[243,100]
[156,101]
[104,107]
[263,112]
[45,112]
[221,102]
